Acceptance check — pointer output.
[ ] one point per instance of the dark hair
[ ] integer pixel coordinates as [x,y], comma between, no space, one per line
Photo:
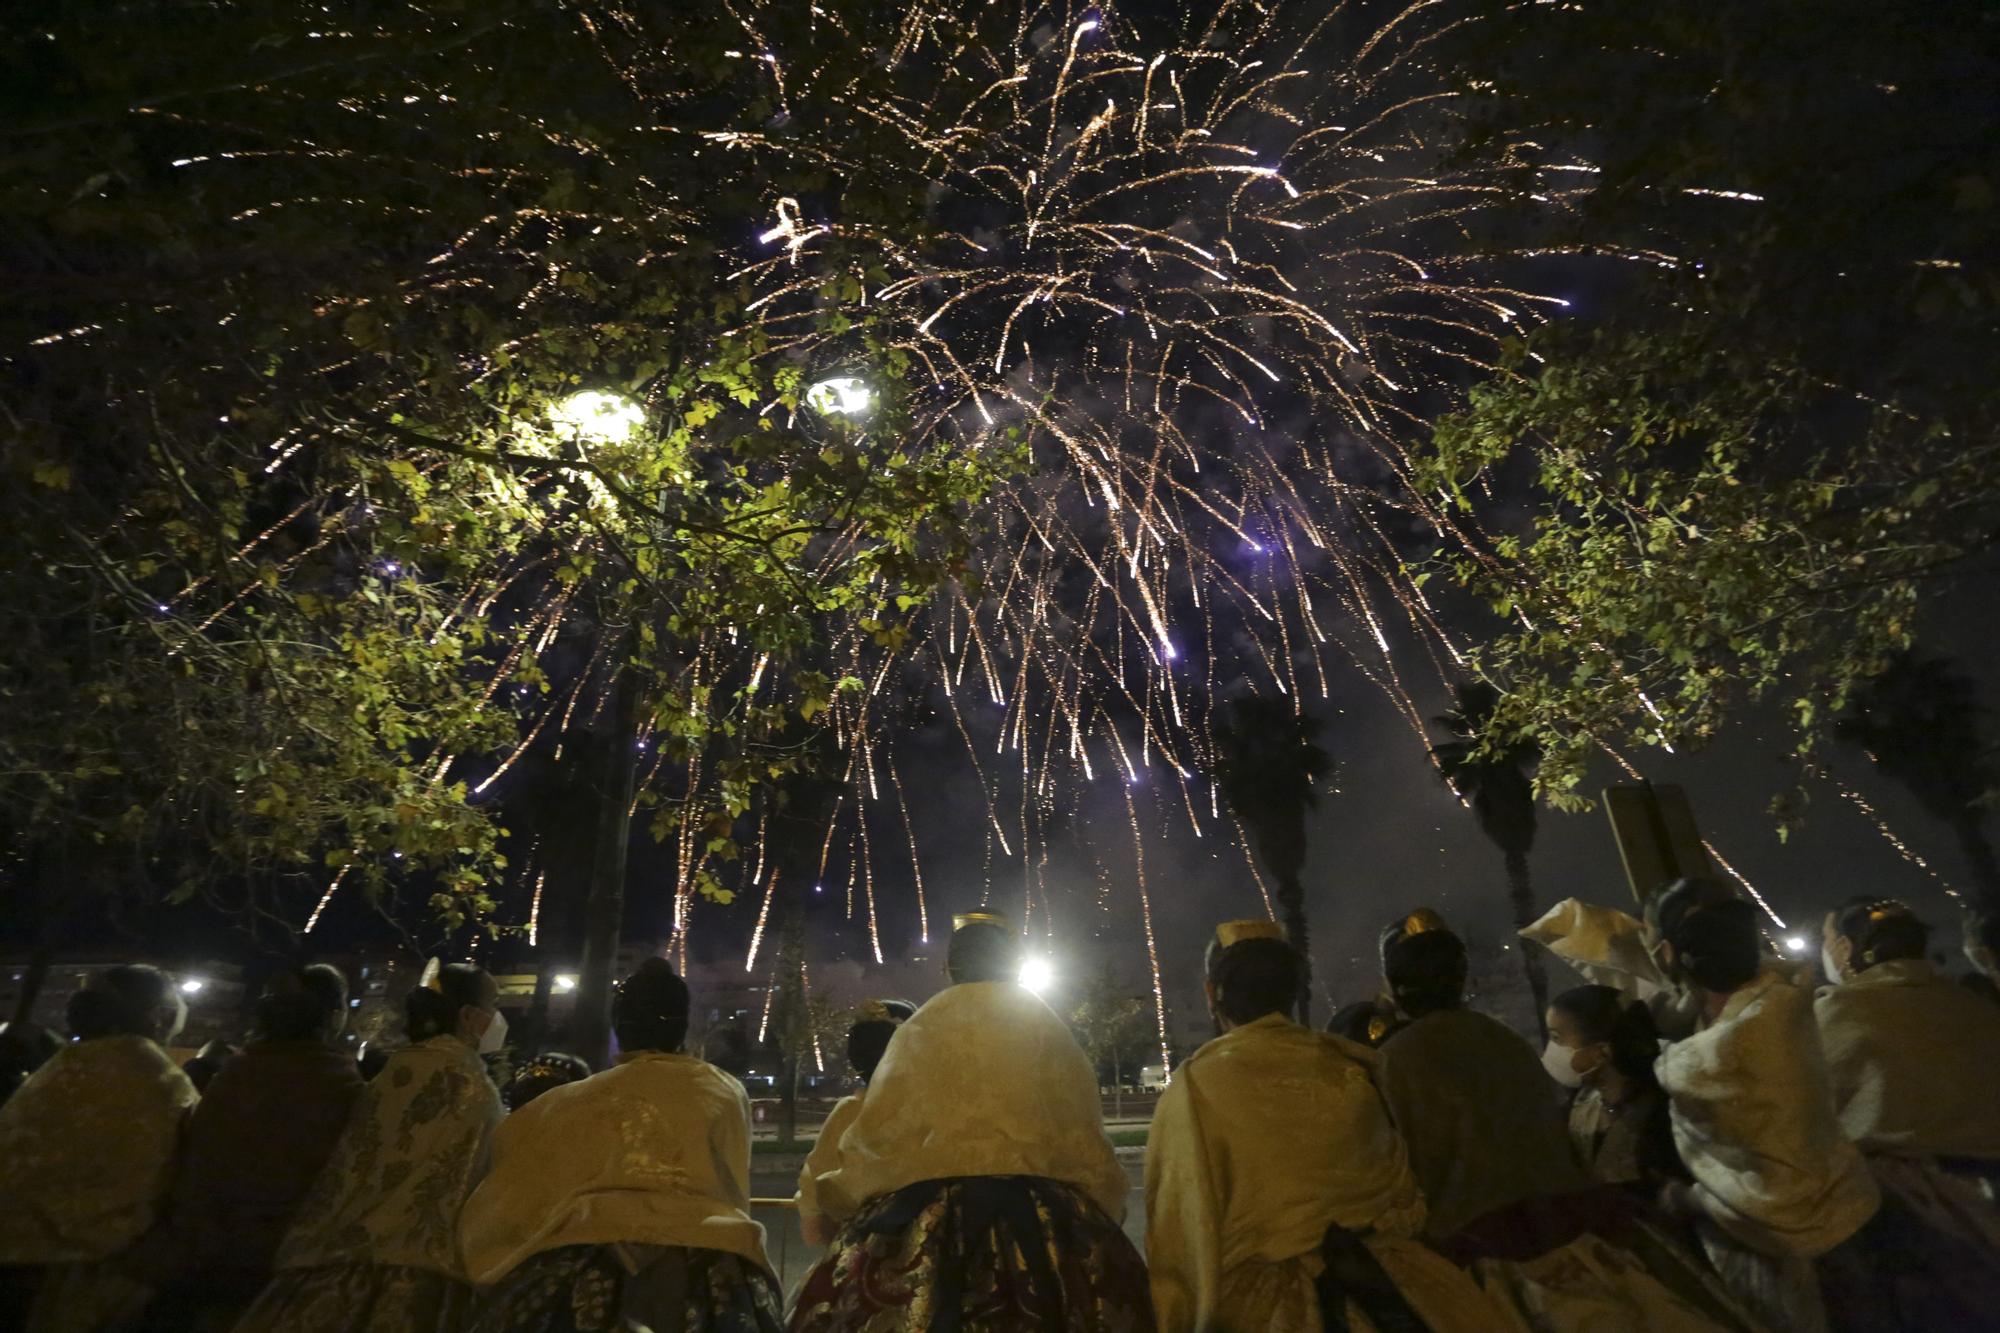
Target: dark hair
[544,1073]
[1715,938]
[1425,971]
[431,1013]
[650,1010]
[1883,930]
[868,1038]
[1364,1022]
[1253,977]
[121,1001]
[1605,1017]
[302,1004]
[983,951]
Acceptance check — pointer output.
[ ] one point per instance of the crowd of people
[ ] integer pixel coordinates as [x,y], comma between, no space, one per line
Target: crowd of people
[1706,1146]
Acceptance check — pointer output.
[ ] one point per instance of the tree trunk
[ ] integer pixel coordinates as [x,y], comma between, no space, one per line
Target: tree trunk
[1292,903]
[788,1101]
[1521,894]
[1971,830]
[1117,1087]
[604,909]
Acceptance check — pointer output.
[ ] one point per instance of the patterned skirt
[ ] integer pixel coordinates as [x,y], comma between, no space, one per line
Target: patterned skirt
[358,1298]
[601,1288]
[978,1254]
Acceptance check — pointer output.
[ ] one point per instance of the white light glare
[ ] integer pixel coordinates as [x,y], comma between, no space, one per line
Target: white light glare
[566,982]
[1037,975]
[599,417]
[843,395]
[192,985]
[1795,944]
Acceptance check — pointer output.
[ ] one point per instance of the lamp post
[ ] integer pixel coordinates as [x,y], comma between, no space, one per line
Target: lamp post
[594,417]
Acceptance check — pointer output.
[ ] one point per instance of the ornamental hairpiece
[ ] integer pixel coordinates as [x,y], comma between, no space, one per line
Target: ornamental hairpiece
[1255,928]
[1422,921]
[963,919]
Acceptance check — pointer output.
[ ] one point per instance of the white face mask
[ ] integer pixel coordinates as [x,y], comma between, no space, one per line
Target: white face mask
[495,1035]
[1830,965]
[1559,1060]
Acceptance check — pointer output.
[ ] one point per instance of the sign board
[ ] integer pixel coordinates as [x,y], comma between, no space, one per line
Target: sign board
[1657,838]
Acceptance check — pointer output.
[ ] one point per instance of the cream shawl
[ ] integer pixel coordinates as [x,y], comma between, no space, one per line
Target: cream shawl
[984,1080]
[87,1151]
[1754,1122]
[655,1151]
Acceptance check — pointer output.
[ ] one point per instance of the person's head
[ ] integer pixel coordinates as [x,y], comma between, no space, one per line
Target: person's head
[650,1010]
[1864,931]
[207,1062]
[983,948]
[544,1073]
[1708,936]
[868,1036]
[1250,974]
[131,1000]
[464,1003]
[1424,964]
[1594,1030]
[1364,1022]
[303,1004]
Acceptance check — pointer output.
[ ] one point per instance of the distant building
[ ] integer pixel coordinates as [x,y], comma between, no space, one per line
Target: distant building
[214,993]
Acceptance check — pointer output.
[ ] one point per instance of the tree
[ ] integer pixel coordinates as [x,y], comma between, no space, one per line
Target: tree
[1269,766]
[289,373]
[1776,439]
[1496,783]
[1110,1025]
[1921,724]
[803,1026]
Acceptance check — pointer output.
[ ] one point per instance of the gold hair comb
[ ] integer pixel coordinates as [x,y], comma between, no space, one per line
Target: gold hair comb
[1422,921]
[1255,928]
[961,920]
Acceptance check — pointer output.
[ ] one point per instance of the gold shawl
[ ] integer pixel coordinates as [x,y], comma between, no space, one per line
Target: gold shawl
[655,1151]
[87,1150]
[1914,1061]
[415,1147]
[1265,1136]
[984,1080]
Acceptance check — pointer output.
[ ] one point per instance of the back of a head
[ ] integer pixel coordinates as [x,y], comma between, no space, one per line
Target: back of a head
[1882,930]
[650,1010]
[306,1004]
[1425,970]
[868,1037]
[1254,977]
[1713,933]
[132,999]
[983,951]
[431,1013]
[1362,1022]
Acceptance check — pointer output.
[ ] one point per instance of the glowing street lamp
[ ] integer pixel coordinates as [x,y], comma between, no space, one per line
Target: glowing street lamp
[1796,943]
[1037,974]
[841,396]
[597,417]
[192,986]
[565,982]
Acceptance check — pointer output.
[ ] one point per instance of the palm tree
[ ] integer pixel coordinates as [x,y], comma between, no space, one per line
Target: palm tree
[1497,785]
[1920,721]
[1268,766]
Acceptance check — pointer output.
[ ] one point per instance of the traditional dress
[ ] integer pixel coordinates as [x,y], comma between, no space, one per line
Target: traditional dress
[977,1185]
[1509,1199]
[1625,1143]
[622,1201]
[265,1128]
[87,1154]
[1480,1116]
[375,1245]
[1776,1181]
[1267,1137]
[824,1160]
[1914,1064]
